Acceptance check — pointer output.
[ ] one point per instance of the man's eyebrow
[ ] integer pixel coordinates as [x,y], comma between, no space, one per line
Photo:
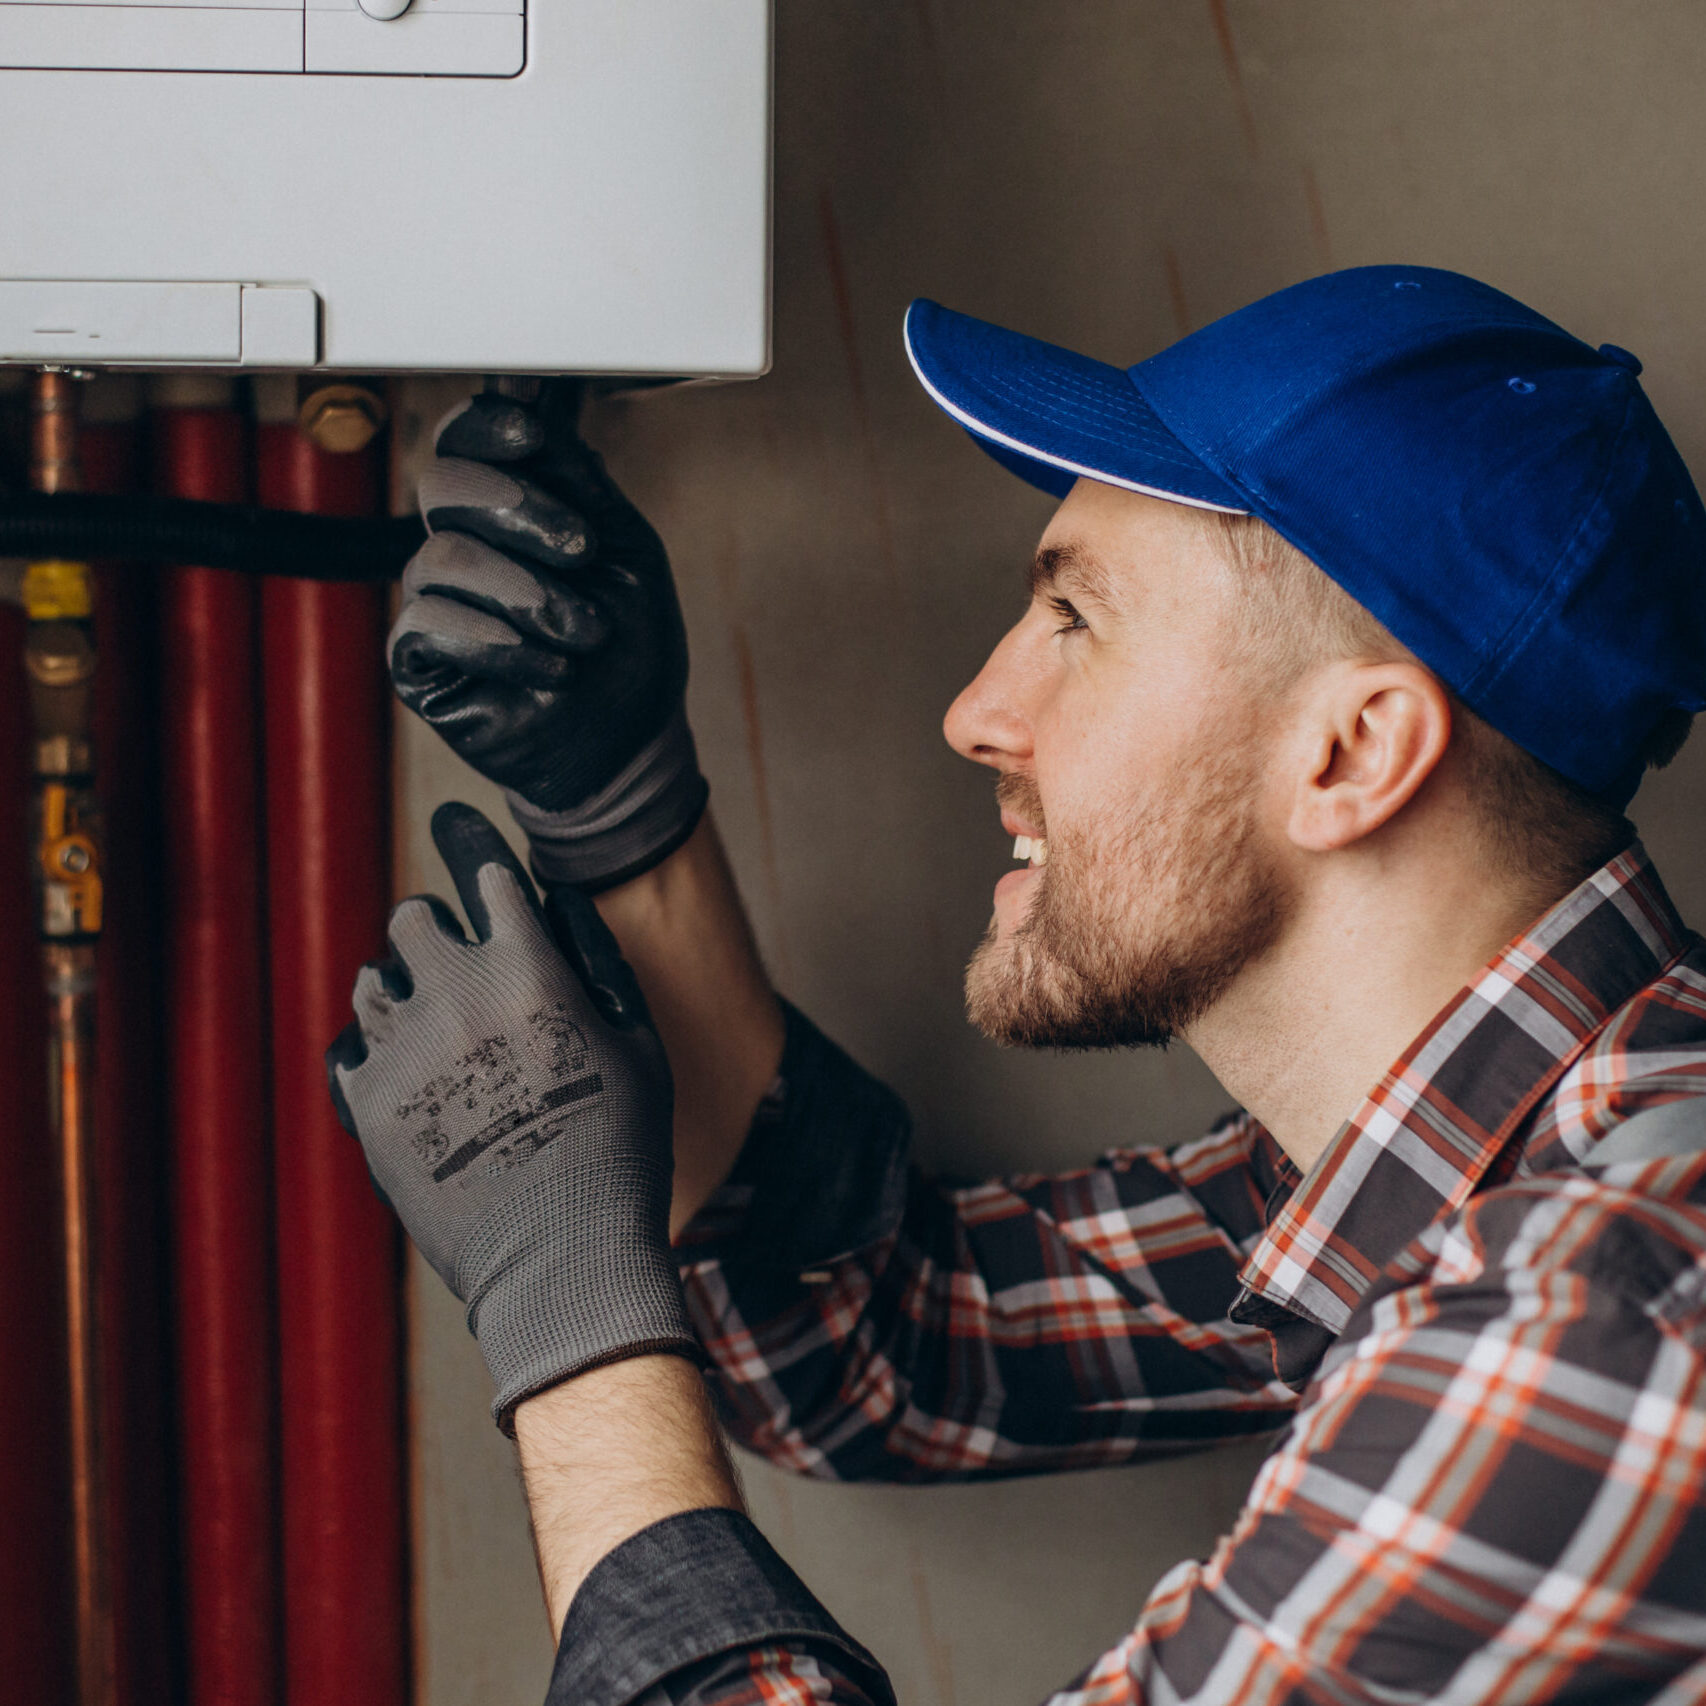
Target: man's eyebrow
[1073,568]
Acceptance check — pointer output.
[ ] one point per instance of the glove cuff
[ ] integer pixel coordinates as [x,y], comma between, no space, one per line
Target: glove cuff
[555,1289]
[512,1394]
[627,827]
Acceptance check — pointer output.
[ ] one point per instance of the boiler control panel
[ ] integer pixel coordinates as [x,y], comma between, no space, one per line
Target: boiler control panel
[498,186]
[399,38]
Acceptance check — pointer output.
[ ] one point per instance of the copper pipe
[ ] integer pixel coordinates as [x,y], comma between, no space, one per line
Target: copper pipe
[53,433]
[59,660]
[71,1022]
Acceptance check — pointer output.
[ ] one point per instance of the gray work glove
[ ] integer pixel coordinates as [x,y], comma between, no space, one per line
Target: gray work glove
[514,1103]
[540,635]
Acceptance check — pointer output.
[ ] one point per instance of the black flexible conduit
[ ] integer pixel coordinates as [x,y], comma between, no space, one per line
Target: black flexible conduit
[84,526]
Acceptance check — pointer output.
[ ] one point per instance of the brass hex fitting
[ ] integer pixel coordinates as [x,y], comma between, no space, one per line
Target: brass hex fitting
[341,418]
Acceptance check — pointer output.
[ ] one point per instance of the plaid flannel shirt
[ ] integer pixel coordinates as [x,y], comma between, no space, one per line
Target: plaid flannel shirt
[1488,1358]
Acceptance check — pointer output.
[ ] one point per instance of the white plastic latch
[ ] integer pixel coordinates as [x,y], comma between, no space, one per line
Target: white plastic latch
[281,326]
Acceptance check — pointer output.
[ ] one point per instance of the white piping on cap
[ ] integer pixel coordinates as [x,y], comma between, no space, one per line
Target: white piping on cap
[984,431]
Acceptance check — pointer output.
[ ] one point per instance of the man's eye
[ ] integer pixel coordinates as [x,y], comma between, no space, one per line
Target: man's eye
[1070,620]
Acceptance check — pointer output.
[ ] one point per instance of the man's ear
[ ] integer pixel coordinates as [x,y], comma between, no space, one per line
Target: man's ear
[1373,734]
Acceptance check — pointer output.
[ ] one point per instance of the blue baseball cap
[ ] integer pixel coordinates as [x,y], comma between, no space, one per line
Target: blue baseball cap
[1500,495]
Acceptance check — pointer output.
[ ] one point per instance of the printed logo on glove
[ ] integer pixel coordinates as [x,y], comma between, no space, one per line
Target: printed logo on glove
[495,1089]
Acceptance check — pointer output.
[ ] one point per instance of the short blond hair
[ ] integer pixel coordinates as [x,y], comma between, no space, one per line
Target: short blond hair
[1537,823]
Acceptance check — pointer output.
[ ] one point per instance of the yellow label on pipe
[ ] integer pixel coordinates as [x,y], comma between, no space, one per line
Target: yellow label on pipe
[57,591]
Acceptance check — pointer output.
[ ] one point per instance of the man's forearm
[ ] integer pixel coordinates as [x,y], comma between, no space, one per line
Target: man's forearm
[682,927]
[657,1585]
[609,1453]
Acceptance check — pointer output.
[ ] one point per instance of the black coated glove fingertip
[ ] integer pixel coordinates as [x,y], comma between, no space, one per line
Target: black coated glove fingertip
[468,841]
[459,828]
[489,428]
[590,948]
[417,663]
[539,528]
[348,1051]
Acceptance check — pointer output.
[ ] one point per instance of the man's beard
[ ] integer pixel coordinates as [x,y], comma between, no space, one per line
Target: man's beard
[1130,939]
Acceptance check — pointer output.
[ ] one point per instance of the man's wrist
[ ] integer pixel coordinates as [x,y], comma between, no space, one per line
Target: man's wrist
[610,1452]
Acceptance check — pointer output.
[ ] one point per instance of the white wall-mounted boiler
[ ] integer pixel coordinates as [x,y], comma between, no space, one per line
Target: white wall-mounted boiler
[386,185]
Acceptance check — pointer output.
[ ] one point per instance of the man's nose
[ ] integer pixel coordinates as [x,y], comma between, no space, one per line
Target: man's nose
[988,722]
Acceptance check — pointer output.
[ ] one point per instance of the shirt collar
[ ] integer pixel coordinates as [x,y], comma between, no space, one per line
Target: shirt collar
[1438,1121]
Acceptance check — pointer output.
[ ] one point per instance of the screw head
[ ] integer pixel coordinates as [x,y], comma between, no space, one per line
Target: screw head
[341,418]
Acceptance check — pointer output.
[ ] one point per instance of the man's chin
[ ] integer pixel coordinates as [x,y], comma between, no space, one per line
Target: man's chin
[995,981]
[1019,1000]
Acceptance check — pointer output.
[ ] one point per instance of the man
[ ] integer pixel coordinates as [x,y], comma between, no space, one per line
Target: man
[1362,615]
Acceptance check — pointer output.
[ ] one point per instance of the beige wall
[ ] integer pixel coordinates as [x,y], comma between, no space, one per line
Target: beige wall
[1105,173]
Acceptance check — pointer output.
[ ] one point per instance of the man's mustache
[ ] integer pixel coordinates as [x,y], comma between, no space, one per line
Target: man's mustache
[1017,793]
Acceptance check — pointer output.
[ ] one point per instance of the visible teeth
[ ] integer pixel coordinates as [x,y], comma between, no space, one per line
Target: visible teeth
[1031,847]
[1022,847]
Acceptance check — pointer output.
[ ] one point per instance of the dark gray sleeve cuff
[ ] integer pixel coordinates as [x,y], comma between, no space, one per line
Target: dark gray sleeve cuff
[823,1172]
[683,1590]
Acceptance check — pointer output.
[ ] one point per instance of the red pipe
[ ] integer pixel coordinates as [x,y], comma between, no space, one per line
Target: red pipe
[130,1157]
[217,1089]
[35,1565]
[327,718]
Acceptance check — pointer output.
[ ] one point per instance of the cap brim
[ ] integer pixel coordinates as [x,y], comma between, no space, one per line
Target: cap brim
[1051,416]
